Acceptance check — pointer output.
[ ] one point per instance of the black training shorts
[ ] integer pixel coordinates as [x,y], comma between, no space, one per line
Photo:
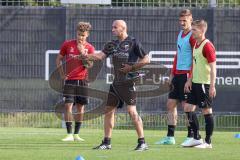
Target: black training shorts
[121,93]
[76,91]
[200,96]
[177,89]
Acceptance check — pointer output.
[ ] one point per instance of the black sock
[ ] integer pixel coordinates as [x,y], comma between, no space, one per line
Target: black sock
[107,140]
[141,140]
[193,121]
[77,127]
[190,130]
[209,127]
[171,129]
[69,127]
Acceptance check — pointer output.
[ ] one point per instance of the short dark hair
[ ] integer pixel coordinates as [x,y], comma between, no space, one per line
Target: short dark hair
[185,12]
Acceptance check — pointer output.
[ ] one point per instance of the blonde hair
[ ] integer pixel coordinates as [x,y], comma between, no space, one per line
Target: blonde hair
[200,24]
[84,27]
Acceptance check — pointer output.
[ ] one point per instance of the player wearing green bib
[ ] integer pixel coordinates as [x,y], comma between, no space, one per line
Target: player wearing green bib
[201,85]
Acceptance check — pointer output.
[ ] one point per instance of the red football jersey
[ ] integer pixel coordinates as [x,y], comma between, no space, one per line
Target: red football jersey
[209,51]
[74,68]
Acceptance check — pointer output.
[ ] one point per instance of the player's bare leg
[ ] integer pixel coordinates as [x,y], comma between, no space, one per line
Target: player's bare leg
[78,121]
[108,127]
[80,113]
[68,119]
[138,126]
[172,113]
[171,121]
[109,121]
[137,121]
[68,112]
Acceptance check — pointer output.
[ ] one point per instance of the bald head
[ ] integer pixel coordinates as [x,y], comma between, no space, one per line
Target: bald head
[119,29]
[121,23]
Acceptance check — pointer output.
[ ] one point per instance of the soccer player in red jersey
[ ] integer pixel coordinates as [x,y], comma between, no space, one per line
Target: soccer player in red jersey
[75,77]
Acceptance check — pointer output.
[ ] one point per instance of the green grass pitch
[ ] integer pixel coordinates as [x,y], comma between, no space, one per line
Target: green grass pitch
[46,144]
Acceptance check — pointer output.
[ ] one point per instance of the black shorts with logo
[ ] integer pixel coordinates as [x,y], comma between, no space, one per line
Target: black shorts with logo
[121,93]
[177,89]
[200,96]
[76,91]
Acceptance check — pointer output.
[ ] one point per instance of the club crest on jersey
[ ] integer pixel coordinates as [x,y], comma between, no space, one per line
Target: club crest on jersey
[71,50]
[127,47]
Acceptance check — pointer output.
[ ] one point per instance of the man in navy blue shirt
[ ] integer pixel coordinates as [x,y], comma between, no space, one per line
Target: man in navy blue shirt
[128,55]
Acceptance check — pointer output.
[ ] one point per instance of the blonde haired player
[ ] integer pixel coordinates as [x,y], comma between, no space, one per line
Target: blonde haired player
[201,85]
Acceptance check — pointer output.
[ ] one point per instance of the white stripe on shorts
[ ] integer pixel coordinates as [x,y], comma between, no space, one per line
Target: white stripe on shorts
[203,88]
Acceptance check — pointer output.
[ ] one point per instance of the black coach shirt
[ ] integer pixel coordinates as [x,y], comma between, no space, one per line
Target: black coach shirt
[130,56]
